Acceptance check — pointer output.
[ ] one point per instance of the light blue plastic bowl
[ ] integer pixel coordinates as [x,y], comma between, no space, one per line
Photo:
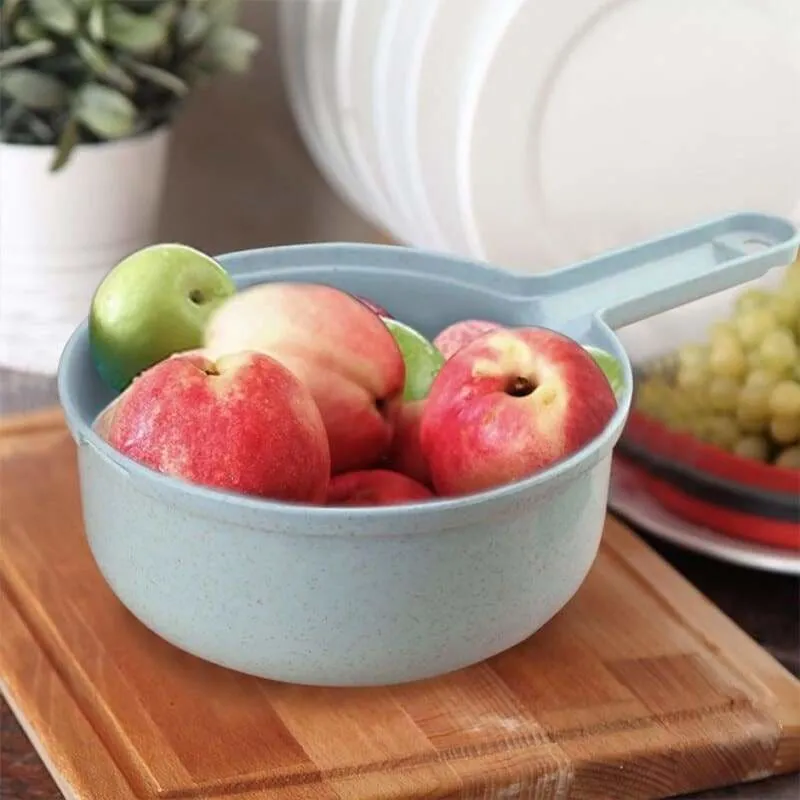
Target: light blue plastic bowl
[356,596]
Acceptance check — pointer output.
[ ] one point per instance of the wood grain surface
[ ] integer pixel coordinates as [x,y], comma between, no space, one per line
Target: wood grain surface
[639,688]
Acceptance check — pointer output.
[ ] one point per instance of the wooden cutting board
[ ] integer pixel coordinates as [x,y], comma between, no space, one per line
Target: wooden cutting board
[639,688]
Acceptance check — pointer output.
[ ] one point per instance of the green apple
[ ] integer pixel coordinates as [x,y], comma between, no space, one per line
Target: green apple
[610,366]
[152,304]
[423,361]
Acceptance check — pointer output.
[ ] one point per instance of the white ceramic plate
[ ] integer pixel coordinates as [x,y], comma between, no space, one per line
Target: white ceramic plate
[635,118]
[630,500]
[360,25]
[291,47]
[425,143]
[397,75]
[292,29]
[321,35]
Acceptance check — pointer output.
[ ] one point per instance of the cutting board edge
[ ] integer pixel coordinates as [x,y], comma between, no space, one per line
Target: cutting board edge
[784,703]
[62,714]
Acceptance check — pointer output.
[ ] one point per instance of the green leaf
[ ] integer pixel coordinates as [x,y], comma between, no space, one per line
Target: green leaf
[7,10]
[140,34]
[33,89]
[193,25]
[101,64]
[15,114]
[25,52]
[70,136]
[160,77]
[84,5]
[27,29]
[69,67]
[231,48]
[96,22]
[223,11]
[192,70]
[142,6]
[167,12]
[42,132]
[57,15]
[105,112]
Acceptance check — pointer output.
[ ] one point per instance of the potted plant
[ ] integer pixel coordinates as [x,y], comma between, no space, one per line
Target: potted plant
[88,93]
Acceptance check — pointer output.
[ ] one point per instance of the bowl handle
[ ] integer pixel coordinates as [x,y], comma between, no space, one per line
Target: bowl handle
[625,286]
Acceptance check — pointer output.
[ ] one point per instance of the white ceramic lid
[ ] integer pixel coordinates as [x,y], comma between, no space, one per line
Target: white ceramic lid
[292,46]
[319,49]
[398,76]
[446,42]
[360,25]
[593,124]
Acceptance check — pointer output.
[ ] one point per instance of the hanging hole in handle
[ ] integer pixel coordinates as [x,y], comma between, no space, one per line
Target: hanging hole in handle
[738,245]
[753,244]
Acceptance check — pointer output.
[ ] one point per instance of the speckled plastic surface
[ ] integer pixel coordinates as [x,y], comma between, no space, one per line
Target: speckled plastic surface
[356,596]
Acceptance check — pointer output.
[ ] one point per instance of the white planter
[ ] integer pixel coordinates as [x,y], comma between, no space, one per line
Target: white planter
[61,232]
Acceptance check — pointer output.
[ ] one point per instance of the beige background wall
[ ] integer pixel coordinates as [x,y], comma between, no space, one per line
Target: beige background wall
[240,176]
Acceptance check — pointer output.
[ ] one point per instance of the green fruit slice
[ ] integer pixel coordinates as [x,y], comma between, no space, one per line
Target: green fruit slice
[610,366]
[423,361]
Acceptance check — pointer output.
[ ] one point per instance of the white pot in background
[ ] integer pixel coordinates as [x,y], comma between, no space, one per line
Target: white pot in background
[61,232]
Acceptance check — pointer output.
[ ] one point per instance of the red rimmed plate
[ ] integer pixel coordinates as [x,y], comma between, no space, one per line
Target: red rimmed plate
[630,499]
[682,449]
[708,486]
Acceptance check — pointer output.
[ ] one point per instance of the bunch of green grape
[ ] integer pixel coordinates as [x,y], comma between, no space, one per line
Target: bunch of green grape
[739,389]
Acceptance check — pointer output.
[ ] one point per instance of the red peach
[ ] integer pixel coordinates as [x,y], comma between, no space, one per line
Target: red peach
[453,338]
[102,422]
[373,306]
[336,346]
[375,487]
[242,423]
[510,404]
[405,454]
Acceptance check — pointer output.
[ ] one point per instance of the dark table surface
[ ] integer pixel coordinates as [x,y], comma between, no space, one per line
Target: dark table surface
[236,142]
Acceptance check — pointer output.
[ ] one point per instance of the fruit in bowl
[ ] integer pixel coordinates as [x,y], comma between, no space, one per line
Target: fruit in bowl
[375,487]
[405,452]
[509,404]
[459,334]
[336,346]
[152,304]
[373,306]
[610,366]
[421,358]
[455,336]
[242,423]
[304,393]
